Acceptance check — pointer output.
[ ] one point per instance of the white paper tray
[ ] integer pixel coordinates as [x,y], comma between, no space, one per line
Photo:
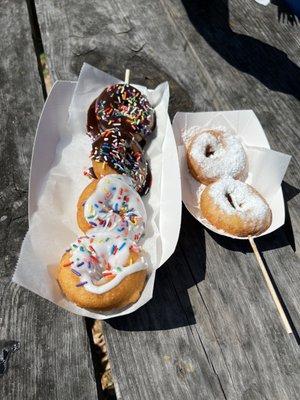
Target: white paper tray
[54,119]
[52,125]
[266,167]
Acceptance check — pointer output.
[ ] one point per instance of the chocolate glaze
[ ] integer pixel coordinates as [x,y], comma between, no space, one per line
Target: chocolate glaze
[122,152]
[123,106]
[92,123]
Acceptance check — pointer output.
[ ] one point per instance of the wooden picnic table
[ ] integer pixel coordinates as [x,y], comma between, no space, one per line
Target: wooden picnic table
[211,330]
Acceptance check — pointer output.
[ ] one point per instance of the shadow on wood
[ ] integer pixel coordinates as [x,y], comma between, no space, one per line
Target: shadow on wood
[166,310]
[143,72]
[285,13]
[96,357]
[289,192]
[7,348]
[286,311]
[266,63]
[187,267]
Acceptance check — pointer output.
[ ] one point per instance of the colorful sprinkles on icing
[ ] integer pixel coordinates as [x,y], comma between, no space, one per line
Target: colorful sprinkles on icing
[105,259]
[118,120]
[122,212]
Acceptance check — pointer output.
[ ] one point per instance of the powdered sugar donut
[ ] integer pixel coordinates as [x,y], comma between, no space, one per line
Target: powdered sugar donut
[102,272]
[112,205]
[213,154]
[235,207]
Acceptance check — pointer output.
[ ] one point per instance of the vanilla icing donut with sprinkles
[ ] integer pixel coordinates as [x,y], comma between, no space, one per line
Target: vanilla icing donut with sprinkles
[113,206]
[102,272]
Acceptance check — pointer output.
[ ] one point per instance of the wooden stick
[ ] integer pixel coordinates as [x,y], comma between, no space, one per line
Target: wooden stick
[127,76]
[270,286]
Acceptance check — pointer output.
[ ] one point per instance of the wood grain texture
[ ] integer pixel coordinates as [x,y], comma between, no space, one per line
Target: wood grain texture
[54,346]
[211,330]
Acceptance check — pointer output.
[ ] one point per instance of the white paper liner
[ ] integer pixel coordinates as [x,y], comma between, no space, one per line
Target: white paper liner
[266,168]
[53,196]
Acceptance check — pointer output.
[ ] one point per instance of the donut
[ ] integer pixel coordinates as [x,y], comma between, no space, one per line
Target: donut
[98,170]
[92,128]
[121,105]
[112,205]
[235,207]
[102,272]
[123,154]
[213,154]
[101,168]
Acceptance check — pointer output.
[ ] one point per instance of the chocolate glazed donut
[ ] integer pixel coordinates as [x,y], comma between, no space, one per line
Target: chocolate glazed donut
[123,106]
[119,149]
[92,122]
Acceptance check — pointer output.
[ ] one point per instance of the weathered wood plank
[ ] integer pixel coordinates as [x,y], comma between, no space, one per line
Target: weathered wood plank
[279,113]
[218,337]
[54,359]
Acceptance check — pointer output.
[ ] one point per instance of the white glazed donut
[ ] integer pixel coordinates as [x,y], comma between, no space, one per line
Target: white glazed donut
[213,154]
[102,272]
[114,206]
[98,256]
[235,207]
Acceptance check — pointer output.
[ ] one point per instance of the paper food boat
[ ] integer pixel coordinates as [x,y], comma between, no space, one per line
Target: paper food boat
[60,154]
[266,167]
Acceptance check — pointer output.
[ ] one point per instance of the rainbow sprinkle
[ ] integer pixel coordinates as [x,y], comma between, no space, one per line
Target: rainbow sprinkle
[81,283]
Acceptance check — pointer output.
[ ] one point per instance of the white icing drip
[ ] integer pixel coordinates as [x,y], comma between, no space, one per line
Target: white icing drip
[97,256]
[246,203]
[116,207]
[137,266]
[217,156]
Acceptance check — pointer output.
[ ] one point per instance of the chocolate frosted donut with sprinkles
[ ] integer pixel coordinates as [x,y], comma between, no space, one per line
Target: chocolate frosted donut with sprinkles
[121,152]
[121,105]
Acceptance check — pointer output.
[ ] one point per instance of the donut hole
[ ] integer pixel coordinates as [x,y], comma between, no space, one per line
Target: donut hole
[96,279]
[229,198]
[134,218]
[209,151]
[235,205]
[96,271]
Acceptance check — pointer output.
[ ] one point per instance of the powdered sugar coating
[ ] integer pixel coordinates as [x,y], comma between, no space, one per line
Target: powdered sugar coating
[236,197]
[217,153]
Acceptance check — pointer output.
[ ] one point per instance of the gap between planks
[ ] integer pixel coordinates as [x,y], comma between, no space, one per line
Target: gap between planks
[46,87]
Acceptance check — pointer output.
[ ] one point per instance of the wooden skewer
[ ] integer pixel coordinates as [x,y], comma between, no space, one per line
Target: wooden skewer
[270,286]
[127,76]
